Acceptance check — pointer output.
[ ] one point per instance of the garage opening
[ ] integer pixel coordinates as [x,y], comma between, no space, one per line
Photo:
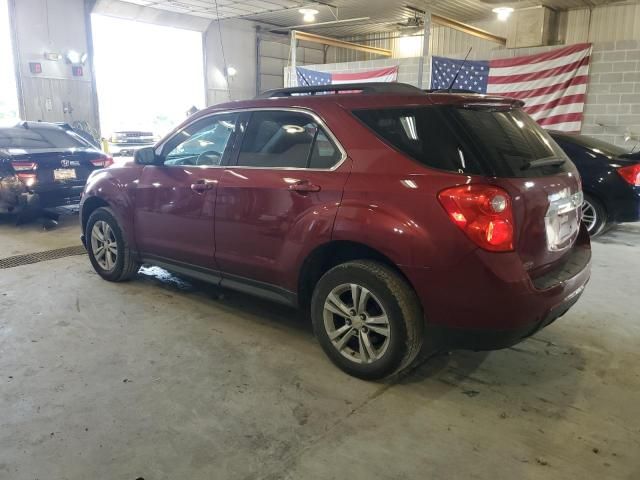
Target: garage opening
[147,76]
[8,91]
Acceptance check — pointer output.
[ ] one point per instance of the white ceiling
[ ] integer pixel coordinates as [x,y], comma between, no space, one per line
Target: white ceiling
[384,14]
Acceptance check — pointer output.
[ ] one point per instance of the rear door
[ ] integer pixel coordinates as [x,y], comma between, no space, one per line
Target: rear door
[279,199]
[175,199]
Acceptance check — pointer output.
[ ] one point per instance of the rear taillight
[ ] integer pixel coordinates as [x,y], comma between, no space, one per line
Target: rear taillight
[102,162]
[631,174]
[28,179]
[24,166]
[483,213]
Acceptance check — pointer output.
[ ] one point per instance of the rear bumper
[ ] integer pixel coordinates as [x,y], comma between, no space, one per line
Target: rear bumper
[488,301]
[33,201]
[625,207]
[490,339]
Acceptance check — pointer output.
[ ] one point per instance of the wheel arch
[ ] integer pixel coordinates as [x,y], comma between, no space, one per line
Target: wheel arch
[89,206]
[328,255]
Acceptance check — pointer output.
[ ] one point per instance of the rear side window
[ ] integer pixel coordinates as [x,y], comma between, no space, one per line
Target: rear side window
[286,140]
[35,138]
[468,141]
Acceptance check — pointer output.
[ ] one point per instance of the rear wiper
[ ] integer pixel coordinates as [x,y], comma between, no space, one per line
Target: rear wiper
[543,162]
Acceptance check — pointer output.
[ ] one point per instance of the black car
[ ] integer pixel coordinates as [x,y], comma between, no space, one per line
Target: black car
[610,180]
[44,165]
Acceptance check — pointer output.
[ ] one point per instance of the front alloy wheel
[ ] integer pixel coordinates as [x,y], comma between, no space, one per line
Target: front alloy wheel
[108,251]
[104,245]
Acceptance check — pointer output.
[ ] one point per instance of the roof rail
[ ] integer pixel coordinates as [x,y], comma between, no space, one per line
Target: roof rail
[366,88]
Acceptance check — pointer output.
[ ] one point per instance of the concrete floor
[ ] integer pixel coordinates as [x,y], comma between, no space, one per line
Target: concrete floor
[162,379]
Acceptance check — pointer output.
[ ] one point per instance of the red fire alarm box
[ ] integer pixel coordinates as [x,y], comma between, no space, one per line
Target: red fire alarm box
[77,71]
[35,67]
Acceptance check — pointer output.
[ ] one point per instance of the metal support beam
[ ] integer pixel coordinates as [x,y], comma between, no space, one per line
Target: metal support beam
[425,48]
[292,55]
[468,29]
[334,42]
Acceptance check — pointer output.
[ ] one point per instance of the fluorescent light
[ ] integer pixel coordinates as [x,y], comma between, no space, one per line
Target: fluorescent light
[53,56]
[308,14]
[503,13]
[73,56]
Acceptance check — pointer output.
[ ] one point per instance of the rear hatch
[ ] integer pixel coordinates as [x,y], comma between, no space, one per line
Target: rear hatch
[57,168]
[47,158]
[492,141]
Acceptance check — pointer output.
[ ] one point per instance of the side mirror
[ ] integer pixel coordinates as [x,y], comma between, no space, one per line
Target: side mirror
[145,156]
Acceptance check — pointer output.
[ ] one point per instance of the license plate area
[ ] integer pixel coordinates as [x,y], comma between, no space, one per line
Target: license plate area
[562,221]
[64,174]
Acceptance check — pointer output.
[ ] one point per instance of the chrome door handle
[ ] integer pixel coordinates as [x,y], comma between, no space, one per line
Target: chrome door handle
[304,186]
[202,186]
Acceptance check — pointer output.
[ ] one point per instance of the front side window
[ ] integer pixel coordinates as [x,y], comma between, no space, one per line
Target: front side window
[203,143]
[286,140]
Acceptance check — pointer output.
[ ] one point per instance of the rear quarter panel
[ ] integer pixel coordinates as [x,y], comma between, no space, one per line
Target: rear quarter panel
[390,202]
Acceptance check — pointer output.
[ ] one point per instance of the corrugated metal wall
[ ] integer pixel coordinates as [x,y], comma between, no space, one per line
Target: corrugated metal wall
[379,40]
[446,41]
[273,57]
[443,41]
[604,24]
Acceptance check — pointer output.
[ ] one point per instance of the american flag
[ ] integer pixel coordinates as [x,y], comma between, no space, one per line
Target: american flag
[308,77]
[553,84]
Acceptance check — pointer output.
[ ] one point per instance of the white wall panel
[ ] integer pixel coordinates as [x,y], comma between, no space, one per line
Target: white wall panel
[604,24]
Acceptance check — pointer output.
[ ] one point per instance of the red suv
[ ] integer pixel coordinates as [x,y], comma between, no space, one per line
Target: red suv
[394,215]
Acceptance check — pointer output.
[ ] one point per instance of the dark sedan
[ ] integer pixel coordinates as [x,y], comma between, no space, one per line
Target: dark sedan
[44,165]
[610,180]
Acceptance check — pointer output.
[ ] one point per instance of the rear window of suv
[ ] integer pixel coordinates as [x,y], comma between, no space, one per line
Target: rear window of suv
[476,141]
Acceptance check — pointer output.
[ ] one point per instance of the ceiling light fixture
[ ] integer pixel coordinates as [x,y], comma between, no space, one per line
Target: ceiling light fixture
[231,71]
[73,57]
[503,13]
[308,14]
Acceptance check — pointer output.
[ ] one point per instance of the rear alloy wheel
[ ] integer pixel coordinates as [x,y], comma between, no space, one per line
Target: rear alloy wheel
[108,251]
[594,216]
[367,319]
[357,323]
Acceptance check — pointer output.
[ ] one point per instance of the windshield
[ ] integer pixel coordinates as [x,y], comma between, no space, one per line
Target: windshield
[471,141]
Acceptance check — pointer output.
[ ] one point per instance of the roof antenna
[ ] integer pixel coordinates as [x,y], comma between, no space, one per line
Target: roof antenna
[459,70]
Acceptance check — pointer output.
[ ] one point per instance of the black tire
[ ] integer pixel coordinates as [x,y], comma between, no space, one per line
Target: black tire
[397,300]
[125,266]
[595,207]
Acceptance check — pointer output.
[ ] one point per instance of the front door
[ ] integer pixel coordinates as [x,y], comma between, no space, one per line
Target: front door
[279,199]
[175,199]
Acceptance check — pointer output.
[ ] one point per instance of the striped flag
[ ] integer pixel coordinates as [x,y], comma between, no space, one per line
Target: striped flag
[553,84]
[308,77]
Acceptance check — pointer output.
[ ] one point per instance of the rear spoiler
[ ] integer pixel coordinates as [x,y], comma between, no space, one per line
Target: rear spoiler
[478,101]
[493,105]
[631,156]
